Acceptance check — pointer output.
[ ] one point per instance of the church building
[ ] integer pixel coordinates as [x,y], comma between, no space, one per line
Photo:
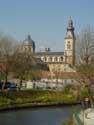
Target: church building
[61,61]
[56,61]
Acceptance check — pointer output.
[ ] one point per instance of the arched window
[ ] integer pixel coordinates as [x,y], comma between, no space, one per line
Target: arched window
[55,59]
[50,59]
[25,49]
[68,42]
[45,59]
[29,49]
[68,45]
[61,58]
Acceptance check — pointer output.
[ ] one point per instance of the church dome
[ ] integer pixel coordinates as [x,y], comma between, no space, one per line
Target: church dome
[29,42]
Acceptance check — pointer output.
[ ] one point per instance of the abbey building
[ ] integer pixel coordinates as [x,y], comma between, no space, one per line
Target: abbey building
[56,61]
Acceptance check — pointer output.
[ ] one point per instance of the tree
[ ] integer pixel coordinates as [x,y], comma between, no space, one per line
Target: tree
[26,66]
[85,57]
[7,49]
[23,63]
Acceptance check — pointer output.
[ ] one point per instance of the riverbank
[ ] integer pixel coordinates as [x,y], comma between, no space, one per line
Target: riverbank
[36,105]
[33,99]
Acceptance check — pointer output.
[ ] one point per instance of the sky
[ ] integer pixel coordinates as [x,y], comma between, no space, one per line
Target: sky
[44,20]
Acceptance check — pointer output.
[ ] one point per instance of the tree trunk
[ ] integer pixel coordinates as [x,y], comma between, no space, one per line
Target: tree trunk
[90,96]
[20,82]
[5,81]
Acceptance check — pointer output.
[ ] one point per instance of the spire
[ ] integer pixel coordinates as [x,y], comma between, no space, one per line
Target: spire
[70,29]
[70,25]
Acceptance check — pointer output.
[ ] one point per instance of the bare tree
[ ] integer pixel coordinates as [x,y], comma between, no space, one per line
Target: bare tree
[26,64]
[7,49]
[85,57]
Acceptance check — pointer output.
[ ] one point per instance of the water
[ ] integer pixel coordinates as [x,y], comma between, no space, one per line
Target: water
[44,116]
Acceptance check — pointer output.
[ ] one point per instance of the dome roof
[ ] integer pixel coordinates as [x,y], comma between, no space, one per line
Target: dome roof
[29,42]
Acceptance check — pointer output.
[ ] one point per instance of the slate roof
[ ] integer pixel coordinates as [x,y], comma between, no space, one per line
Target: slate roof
[55,62]
[49,53]
[28,41]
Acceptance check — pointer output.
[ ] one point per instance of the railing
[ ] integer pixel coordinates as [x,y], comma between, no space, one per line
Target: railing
[77,120]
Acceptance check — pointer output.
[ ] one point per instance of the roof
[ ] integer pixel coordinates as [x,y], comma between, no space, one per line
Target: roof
[49,53]
[55,62]
[28,41]
[63,75]
[68,75]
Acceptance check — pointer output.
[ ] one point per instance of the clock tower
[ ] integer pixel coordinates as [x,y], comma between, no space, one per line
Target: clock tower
[69,51]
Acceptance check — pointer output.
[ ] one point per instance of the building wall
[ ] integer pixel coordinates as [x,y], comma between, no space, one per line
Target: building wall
[56,67]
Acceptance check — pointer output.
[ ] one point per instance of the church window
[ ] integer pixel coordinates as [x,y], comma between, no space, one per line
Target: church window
[68,46]
[29,49]
[56,59]
[61,59]
[68,42]
[50,59]
[45,59]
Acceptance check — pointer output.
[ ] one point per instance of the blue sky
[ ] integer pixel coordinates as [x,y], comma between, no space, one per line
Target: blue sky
[44,20]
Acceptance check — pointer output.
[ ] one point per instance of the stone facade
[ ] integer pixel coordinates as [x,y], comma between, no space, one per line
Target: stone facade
[56,61]
[61,61]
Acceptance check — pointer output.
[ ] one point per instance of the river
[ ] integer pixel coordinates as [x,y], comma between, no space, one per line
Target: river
[39,116]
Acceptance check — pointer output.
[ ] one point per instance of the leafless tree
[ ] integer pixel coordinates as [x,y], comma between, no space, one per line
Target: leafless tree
[85,58]
[27,64]
[7,49]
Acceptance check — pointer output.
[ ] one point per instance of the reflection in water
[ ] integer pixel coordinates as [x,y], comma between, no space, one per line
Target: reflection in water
[45,116]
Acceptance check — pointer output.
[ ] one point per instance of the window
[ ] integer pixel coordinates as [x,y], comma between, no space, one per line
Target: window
[56,59]
[68,45]
[45,59]
[68,42]
[29,49]
[61,59]
[50,59]
[25,49]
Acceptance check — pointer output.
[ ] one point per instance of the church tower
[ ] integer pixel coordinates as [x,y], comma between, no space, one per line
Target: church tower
[69,51]
[28,45]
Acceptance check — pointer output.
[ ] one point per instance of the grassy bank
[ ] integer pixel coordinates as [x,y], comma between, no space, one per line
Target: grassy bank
[35,97]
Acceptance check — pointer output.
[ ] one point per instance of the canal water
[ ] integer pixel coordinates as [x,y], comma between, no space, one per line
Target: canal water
[40,116]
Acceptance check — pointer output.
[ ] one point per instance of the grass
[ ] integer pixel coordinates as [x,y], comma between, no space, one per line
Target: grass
[35,96]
